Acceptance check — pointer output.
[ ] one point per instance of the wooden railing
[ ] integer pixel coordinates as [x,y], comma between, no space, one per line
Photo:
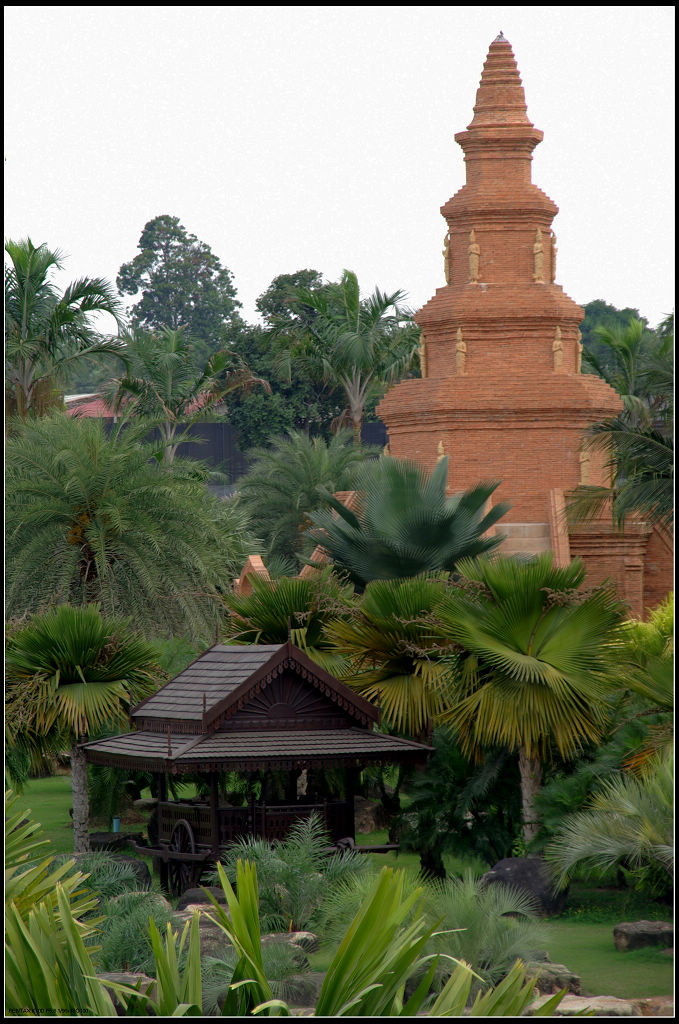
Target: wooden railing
[268,821]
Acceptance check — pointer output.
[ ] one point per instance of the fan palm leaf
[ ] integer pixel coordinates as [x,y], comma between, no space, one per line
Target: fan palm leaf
[82,671]
[535,660]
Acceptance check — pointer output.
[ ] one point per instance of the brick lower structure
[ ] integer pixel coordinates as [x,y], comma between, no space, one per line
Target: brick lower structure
[502,393]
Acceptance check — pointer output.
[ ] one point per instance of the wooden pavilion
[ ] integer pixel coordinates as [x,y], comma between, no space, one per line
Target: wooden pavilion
[248,709]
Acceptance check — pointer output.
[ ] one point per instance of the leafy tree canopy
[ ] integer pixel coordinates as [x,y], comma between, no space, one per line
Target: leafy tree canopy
[96,518]
[46,331]
[182,284]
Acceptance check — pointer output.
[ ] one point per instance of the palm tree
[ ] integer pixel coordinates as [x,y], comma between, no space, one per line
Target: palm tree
[640,460]
[294,607]
[393,644]
[353,344]
[638,443]
[405,525]
[535,662]
[630,820]
[281,487]
[96,518]
[165,384]
[45,330]
[77,671]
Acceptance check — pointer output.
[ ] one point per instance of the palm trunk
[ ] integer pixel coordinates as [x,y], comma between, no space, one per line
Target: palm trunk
[530,769]
[81,805]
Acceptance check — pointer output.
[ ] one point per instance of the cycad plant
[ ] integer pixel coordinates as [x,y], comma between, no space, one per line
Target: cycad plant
[96,518]
[280,489]
[534,662]
[295,874]
[77,671]
[405,524]
[630,821]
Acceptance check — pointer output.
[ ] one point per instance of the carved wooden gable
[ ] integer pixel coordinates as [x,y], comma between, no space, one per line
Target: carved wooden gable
[289,701]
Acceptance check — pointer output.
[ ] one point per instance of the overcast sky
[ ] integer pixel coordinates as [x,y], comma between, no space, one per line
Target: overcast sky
[322,137]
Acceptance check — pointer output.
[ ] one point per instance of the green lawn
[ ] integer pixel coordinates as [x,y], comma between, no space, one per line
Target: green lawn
[589,951]
[582,938]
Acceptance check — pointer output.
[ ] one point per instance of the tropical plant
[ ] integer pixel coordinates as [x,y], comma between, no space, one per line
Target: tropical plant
[124,934]
[489,927]
[165,384]
[404,524]
[630,821]
[393,646]
[462,807]
[178,989]
[353,344]
[294,875]
[294,607]
[638,443]
[281,487]
[47,965]
[45,331]
[77,670]
[534,662]
[95,518]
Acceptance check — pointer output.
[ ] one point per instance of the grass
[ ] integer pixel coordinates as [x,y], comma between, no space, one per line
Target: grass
[581,938]
[589,951]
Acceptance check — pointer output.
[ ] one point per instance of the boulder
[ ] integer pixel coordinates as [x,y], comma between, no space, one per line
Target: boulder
[549,978]
[191,897]
[213,941]
[369,815]
[531,875]
[139,867]
[109,841]
[126,978]
[637,934]
[656,1006]
[303,990]
[597,1006]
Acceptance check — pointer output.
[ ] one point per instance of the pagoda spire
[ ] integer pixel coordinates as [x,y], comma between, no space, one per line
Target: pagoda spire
[500,98]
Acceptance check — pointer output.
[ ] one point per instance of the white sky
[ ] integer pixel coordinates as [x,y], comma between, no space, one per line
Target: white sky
[322,137]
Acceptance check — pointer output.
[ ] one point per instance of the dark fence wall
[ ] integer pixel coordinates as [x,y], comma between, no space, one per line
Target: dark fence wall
[217,444]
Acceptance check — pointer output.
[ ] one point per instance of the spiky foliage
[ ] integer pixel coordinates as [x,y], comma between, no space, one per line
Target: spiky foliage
[83,671]
[405,525]
[45,331]
[649,651]
[629,821]
[489,927]
[356,345]
[46,962]
[393,646]
[95,518]
[535,664]
[295,874]
[124,933]
[281,488]
[304,606]
[166,385]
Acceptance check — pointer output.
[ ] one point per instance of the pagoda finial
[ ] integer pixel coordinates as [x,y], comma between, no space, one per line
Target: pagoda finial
[500,100]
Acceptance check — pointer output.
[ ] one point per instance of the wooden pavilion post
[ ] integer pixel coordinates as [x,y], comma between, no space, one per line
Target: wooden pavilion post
[214,813]
[162,798]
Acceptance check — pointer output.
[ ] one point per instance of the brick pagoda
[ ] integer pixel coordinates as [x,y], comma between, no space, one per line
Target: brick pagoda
[502,393]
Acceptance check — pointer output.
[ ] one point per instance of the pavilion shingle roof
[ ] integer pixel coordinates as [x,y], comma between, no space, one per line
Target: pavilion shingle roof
[249,750]
[216,674]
